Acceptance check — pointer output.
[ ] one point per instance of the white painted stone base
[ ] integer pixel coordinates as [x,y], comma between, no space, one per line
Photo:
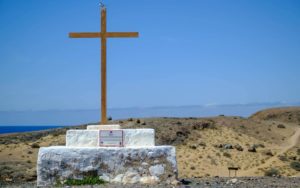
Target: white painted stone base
[90,138]
[145,165]
[102,127]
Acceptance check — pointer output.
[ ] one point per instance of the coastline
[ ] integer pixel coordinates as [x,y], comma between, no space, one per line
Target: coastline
[17,129]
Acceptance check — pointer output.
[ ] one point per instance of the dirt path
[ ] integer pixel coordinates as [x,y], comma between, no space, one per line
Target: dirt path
[290,144]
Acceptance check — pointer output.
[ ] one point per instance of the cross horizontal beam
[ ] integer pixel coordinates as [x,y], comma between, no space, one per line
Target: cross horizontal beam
[121,34]
[100,35]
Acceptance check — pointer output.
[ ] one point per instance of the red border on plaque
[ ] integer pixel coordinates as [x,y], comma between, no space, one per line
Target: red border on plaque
[103,145]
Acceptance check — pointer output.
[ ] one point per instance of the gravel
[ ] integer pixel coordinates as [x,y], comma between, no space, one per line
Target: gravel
[245,182]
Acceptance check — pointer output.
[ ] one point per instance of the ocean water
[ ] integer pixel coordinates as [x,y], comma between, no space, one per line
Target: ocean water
[25,128]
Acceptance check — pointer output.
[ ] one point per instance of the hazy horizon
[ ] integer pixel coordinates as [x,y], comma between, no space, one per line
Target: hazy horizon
[76,117]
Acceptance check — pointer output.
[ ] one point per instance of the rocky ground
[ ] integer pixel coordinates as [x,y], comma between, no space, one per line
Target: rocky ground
[266,143]
[216,182]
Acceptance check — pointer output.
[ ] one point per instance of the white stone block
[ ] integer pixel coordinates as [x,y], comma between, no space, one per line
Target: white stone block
[90,138]
[102,127]
[114,164]
[139,137]
[82,138]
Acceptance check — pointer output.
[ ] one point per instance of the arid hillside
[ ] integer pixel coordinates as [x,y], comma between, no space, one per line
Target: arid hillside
[263,144]
[288,115]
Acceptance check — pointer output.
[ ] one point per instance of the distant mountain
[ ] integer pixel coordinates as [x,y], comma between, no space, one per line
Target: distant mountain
[76,117]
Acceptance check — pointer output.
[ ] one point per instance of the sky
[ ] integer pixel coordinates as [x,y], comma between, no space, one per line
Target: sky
[196,52]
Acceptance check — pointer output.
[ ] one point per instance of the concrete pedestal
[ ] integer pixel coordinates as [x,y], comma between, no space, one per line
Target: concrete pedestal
[124,165]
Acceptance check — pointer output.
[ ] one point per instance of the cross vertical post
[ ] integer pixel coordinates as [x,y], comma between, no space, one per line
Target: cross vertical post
[103,67]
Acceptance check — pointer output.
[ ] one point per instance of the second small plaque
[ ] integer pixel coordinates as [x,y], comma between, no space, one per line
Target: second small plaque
[111,138]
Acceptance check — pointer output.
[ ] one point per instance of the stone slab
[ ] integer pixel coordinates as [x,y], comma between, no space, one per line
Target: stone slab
[90,138]
[102,127]
[143,165]
[82,138]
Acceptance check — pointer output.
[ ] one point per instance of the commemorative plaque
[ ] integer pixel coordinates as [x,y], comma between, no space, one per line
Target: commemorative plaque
[111,138]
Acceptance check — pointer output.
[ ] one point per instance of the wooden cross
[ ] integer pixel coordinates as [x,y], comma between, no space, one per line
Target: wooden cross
[103,35]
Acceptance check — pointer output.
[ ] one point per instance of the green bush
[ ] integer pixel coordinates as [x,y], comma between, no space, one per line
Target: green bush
[35,145]
[272,172]
[56,134]
[93,180]
[228,155]
[281,126]
[282,158]
[295,165]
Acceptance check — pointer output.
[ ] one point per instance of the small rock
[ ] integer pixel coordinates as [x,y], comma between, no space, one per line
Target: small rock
[252,149]
[238,147]
[157,170]
[228,146]
[282,158]
[118,178]
[135,179]
[8,179]
[105,177]
[269,153]
[141,169]
[149,180]
[193,146]
[175,182]
[281,126]
[185,182]
[232,181]
[156,161]
[202,144]
[131,177]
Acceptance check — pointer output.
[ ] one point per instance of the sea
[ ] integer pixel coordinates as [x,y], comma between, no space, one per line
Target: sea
[6,129]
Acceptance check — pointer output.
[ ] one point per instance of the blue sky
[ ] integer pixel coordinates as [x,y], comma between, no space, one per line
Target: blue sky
[189,53]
